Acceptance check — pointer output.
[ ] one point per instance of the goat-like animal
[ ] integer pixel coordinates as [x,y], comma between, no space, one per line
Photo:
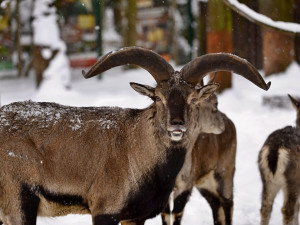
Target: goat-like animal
[279,169]
[117,164]
[210,168]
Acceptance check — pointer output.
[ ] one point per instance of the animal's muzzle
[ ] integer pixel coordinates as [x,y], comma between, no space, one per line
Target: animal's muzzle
[176,132]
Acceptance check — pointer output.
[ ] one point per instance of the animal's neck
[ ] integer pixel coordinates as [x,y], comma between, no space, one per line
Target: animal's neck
[156,185]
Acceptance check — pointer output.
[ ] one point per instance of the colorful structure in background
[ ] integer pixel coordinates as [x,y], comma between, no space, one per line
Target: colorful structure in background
[6,41]
[80,23]
[79,31]
[153,29]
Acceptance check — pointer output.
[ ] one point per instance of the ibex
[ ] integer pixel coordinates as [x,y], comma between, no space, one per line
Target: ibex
[117,164]
[278,162]
[210,168]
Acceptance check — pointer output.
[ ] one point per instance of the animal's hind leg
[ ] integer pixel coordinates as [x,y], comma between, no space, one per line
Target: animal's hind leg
[218,191]
[269,193]
[225,191]
[215,205]
[296,217]
[290,207]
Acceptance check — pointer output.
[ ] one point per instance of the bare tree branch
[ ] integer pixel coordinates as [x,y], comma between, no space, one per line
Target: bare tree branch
[263,20]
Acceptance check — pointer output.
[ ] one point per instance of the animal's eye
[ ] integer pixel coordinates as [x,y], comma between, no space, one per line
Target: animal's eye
[194,100]
[157,99]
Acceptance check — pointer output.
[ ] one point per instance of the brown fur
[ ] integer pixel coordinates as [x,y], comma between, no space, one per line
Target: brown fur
[79,151]
[111,162]
[279,168]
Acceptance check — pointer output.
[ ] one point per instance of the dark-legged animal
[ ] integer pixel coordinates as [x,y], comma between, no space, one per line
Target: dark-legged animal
[115,163]
[210,168]
[278,163]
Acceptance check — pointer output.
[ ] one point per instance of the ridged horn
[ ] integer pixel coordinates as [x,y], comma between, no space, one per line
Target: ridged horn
[156,65]
[198,68]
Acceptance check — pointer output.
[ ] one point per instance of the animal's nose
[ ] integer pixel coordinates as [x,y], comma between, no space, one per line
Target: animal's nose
[177,121]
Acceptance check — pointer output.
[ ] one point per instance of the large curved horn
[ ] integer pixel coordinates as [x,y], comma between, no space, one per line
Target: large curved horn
[156,65]
[195,70]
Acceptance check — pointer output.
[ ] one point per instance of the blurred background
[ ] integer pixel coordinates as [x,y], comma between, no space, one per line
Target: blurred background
[44,45]
[52,38]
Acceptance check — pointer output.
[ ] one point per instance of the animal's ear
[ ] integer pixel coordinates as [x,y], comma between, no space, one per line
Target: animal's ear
[143,89]
[206,91]
[295,103]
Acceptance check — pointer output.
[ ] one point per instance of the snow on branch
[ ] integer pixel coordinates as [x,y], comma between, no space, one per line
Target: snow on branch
[260,19]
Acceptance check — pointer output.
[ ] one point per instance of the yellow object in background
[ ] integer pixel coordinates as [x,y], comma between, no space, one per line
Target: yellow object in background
[86,21]
[3,22]
[156,34]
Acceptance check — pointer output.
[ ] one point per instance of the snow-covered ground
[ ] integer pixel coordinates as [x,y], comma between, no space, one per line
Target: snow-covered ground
[243,104]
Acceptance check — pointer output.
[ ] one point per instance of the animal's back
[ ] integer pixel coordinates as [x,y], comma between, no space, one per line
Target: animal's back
[21,117]
[35,137]
[278,147]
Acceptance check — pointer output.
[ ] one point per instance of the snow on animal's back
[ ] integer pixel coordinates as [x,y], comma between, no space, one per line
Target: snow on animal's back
[46,115]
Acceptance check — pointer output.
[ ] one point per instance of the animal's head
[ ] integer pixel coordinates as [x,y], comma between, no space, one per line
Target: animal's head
[181,103]
[296,105]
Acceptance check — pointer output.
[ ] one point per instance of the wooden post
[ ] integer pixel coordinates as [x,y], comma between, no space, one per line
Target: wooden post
[99,11]
[130,32]
[174,32]
[190,29]
[278,47]
[202,27]
[247,42]
[116,5]
[219,36]
[18,39]
[297,37]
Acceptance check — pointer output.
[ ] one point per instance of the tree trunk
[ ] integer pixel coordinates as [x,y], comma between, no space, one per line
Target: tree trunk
[297,37]
[18,38]
[29,66]
[190,29]
[278,47]
[116,5]
[247,42]
[174,32]
[130,34]
[202,27]
[219,35]
[99,11]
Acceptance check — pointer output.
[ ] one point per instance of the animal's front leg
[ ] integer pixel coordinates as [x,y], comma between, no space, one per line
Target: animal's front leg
[106,220]
[22,210]
[177,213]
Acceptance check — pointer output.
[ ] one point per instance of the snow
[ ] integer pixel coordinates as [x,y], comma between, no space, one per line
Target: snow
[4,4]
[46,33]
[109,34]
[252,15]
[243,104]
